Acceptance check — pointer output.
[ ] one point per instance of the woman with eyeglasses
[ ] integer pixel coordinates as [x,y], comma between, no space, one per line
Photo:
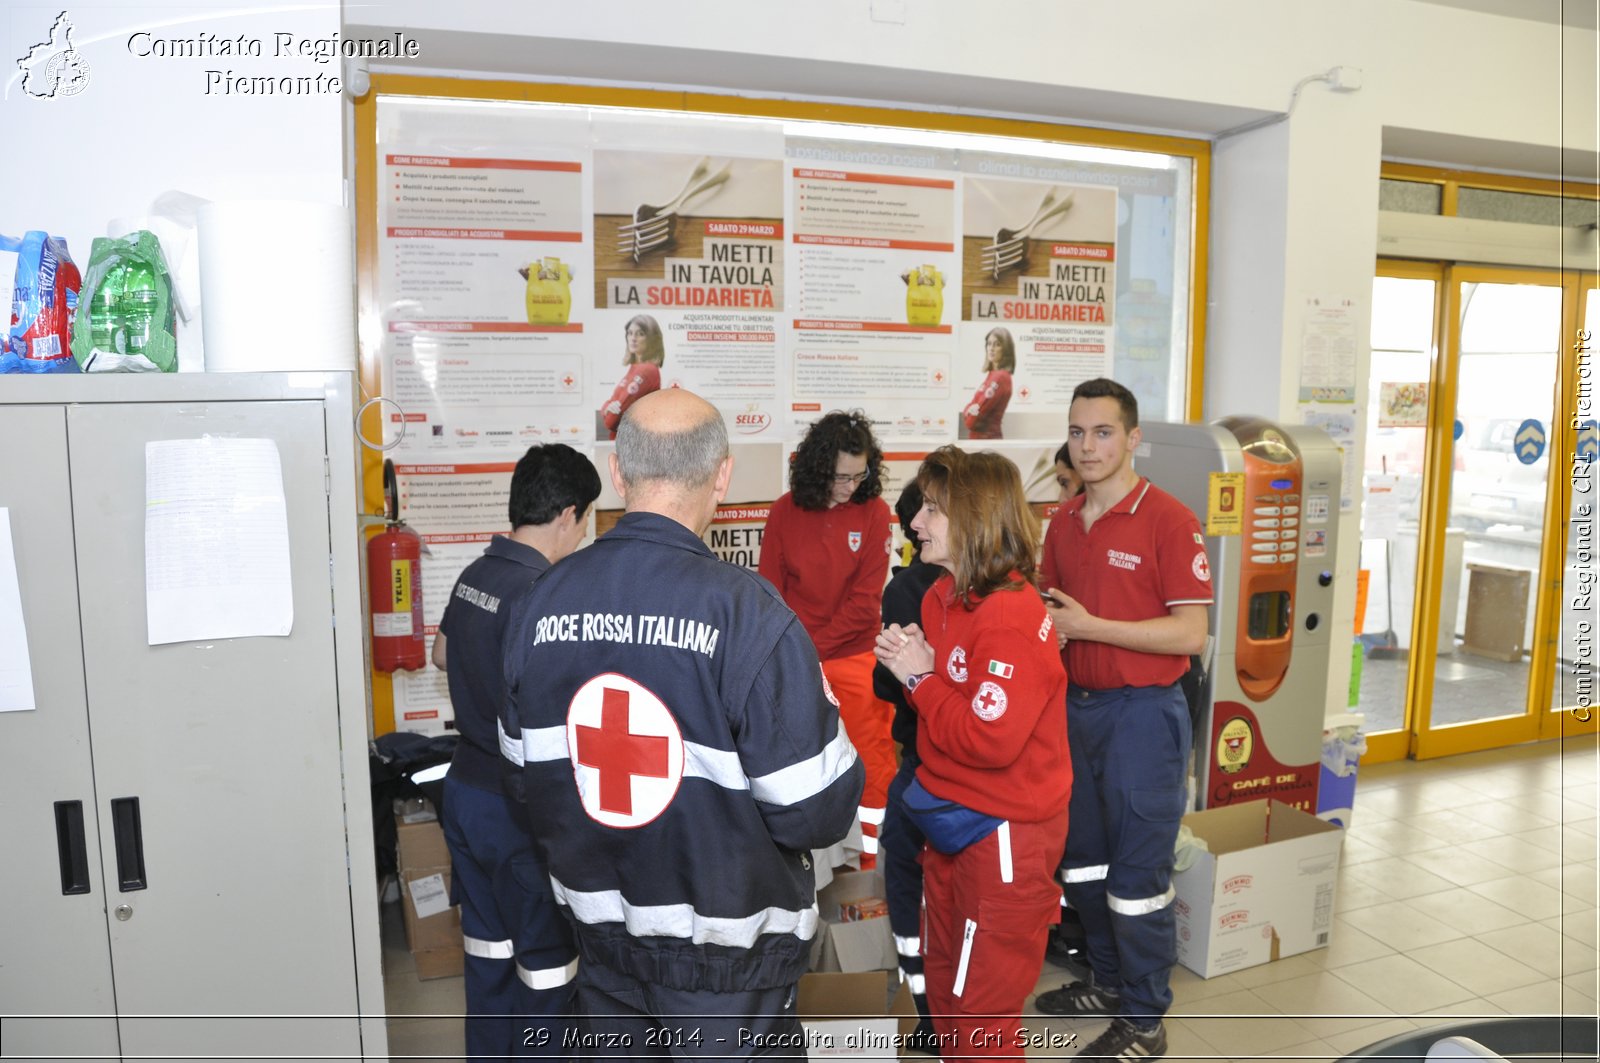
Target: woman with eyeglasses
[983,674]
[826,550]
[982,416]
[643,353]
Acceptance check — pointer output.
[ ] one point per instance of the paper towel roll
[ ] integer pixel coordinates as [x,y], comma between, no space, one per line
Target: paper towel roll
[277,286]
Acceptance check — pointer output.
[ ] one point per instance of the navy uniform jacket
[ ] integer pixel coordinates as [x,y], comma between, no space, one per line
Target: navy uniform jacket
[681,754]
[902,604]
[474,622]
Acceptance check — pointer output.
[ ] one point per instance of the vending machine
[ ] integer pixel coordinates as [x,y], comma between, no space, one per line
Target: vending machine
[1268,498]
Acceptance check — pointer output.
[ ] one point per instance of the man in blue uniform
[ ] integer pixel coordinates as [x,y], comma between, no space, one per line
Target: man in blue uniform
[900,847]
[520,956]
[1125,566]
[681,755]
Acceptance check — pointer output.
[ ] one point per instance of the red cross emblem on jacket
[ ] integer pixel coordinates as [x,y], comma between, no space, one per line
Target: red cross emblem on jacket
[626,750]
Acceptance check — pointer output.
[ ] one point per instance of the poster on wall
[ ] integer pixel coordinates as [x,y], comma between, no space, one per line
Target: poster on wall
[457,507]
[1340,424]
[689,279]
[1328,348]
[481,251]
[1038,283]
[873,251]
[736,529]
[1403,404]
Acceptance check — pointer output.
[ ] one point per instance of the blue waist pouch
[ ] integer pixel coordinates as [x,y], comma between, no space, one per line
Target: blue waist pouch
[948,826]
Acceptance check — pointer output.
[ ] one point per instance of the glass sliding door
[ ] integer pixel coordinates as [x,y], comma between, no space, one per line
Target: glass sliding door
[1404,346]
[1474,631]
[1503,449]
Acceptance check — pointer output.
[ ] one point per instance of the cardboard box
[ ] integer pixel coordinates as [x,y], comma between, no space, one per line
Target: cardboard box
[420,844]
[433,925]
[849,1016]
[851,947]
[440,963]
[414,810]
[431,922]
[1264,891]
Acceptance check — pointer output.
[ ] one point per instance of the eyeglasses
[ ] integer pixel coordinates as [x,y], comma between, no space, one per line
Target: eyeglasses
[852,478]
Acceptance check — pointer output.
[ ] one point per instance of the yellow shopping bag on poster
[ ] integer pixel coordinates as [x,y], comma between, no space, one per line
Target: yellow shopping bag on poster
[549,295]
[924,296]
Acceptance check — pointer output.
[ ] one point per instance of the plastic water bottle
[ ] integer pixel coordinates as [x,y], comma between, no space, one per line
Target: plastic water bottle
[103,313]
[136,307]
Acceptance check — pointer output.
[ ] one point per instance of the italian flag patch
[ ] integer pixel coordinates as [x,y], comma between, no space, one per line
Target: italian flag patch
[1000,668]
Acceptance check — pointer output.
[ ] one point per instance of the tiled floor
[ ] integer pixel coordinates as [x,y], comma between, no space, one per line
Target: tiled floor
[1467,888]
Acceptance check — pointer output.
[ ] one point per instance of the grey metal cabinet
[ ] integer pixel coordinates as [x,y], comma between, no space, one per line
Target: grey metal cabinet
[185,830]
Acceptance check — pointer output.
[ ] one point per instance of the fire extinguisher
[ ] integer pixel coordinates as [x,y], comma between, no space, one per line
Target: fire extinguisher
[394,589]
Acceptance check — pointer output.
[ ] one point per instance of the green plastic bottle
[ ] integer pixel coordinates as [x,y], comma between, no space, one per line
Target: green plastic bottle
[136,307]
[127,322]
[103,313]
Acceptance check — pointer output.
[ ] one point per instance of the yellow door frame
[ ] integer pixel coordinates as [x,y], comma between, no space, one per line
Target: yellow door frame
[1577,332]
[1397,744]
[1415,736]
[1427,740]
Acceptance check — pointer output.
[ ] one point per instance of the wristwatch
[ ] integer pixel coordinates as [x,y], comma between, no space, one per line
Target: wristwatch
[912,681]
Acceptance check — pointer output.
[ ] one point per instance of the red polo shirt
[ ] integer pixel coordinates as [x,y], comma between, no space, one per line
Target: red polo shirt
[1141,558]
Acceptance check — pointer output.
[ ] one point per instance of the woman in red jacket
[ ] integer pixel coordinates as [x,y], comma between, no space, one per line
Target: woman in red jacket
[987,409]
[826,550]
[984,676]
[643,355]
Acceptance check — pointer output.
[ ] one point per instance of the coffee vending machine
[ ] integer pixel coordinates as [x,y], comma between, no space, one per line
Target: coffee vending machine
[1267,496]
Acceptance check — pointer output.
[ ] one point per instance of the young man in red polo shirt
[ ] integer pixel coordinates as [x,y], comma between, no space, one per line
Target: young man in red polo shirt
[1126,565]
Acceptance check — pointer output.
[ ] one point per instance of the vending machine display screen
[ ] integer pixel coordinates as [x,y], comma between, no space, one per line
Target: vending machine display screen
[1269,615]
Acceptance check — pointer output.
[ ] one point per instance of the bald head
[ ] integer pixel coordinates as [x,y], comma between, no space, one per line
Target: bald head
[671,437]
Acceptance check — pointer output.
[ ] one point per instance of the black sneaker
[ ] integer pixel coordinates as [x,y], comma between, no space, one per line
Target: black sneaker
[1123,1040]
[1067,956]
[1079,998]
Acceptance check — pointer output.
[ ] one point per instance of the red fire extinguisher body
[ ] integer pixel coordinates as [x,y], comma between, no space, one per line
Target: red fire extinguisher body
[394,591]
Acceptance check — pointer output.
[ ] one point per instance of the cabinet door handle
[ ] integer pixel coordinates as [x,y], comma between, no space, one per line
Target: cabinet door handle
[70,849]
[130,844]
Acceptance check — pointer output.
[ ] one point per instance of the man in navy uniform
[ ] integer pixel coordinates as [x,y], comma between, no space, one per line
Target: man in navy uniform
[681,755]
[520,957]
[1125,567]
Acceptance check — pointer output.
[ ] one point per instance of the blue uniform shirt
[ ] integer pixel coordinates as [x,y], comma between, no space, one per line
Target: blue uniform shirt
[474,622]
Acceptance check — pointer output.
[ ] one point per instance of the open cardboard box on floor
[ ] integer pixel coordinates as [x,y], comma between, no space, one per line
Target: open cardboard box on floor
[862,945]
[849,1016]
[1262,892]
